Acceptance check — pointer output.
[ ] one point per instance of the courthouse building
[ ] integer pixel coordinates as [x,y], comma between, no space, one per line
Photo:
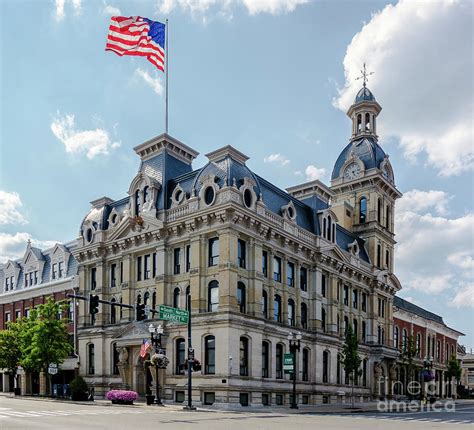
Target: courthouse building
[259,263]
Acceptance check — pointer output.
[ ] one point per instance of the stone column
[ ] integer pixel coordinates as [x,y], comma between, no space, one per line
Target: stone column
[127,282]
[333,306]
[43,384]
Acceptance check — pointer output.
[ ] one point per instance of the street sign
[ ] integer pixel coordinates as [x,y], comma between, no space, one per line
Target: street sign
[288,365]
[52,370]
[190,353]
[173,314]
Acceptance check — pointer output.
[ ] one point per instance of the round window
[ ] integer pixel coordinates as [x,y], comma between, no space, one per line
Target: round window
[89,235]
[291,212]
[209,195]
[178,196]
[248,198]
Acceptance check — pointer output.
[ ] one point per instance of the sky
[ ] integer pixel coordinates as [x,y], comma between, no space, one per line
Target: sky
[272,78]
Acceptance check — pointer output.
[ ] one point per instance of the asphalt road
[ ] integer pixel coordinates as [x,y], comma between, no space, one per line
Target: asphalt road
[35,414]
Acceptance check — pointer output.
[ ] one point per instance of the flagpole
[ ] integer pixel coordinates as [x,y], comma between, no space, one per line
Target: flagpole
[166,77]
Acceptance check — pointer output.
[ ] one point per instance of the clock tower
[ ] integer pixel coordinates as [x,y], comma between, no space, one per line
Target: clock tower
[363,184]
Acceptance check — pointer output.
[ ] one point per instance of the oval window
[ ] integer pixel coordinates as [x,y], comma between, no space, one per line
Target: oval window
[178,195]
[89,235]
[248,198]
[209,195]
[291,212]
[114,218]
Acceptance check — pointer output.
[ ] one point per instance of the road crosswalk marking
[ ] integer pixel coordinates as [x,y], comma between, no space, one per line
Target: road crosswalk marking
[6,413]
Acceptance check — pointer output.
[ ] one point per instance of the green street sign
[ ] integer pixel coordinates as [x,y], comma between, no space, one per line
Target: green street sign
[173,314]
[288,364]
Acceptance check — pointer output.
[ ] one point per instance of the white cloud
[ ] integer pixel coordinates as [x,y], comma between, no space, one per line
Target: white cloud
[90,142]
[10,206]
[202,8]
[416,201]
[13,246]
[111,10]
[273,7]
[434,253]
[59,8]
[464,297]
[313,173]
[422,58]
[153,82]
[276,158]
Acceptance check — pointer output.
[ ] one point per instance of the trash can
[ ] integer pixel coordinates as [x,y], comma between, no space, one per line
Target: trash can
[55,390]
[66,391]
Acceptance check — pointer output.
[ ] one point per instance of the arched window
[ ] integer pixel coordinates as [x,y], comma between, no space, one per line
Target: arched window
[210,355]
[264,304]
[145,194]
[115,359]
[447,351]
[362,210]
[180,352]
[277,308]
[153,300]
[346,323]
[356,328]
[367,121]
[113,313]
[304,315]
[379,210]
[379,335]
[323,319]
[359,122]
[364,331]
[334,232]
[379,255]
[438,350]
[305,365]
[213,296]
[241,297]
[324,227]
[265,359]
[137,202]
[418,344]
[387,259]
[279,361]
[396,337]
[139,299]
[90,359]
[338,324]
[364,372]
[291,312]
[387,217]
[244,356]
[146,297]
[325,366]
[329,228]
[176,293]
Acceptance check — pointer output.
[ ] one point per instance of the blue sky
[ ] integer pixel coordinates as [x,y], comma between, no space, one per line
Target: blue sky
[272,78]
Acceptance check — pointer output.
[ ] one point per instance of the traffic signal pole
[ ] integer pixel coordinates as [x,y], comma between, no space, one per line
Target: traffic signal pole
[190,406]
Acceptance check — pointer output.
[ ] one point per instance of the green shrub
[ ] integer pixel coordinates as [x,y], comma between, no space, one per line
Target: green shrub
[78,388]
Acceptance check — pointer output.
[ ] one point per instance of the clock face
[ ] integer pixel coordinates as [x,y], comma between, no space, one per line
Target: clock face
[352,171]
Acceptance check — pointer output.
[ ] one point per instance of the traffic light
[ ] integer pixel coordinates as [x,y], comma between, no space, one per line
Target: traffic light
[141,312]
[93,304]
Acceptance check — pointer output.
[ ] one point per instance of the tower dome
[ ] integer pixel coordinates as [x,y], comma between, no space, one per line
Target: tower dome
[364,94]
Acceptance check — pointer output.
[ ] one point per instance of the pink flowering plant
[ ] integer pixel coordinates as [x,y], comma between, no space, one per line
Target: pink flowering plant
[121,395]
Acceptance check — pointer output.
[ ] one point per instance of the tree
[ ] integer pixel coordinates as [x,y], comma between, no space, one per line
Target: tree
[454,370]
[10,350]
[45,339]
[350,357]
[407,358]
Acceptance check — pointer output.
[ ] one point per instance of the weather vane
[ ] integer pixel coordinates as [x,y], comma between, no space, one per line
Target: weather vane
[364,75]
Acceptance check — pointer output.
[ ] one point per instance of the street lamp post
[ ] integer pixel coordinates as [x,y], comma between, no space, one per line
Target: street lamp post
[155,333]
[428,365]
[294,346]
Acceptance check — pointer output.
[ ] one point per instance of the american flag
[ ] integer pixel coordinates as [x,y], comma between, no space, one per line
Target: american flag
[144,348]
[137,36]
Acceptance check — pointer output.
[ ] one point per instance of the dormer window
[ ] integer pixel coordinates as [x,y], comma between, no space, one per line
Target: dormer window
[60,269]
[137,202]
[54,273]
[145,194]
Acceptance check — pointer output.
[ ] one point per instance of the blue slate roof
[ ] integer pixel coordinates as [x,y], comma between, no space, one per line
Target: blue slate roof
[366,148]
[364,94]
[417,310]
[345,237]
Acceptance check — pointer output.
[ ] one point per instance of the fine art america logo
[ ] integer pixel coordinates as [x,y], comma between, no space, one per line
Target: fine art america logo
[422,397]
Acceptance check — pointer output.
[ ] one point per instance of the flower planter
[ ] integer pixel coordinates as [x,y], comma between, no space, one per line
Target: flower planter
[121,397]
[150,399]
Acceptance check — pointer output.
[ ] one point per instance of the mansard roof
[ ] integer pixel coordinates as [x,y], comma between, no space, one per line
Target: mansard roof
[417,310]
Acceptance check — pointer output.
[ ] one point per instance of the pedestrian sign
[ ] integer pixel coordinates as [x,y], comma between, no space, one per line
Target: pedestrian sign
[173,314]
[288,363]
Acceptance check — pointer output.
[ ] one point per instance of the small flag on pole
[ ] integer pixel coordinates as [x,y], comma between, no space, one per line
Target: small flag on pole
[144,348]
[137,36]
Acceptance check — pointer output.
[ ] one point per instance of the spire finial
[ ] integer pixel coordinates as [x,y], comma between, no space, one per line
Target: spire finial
[364,75]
